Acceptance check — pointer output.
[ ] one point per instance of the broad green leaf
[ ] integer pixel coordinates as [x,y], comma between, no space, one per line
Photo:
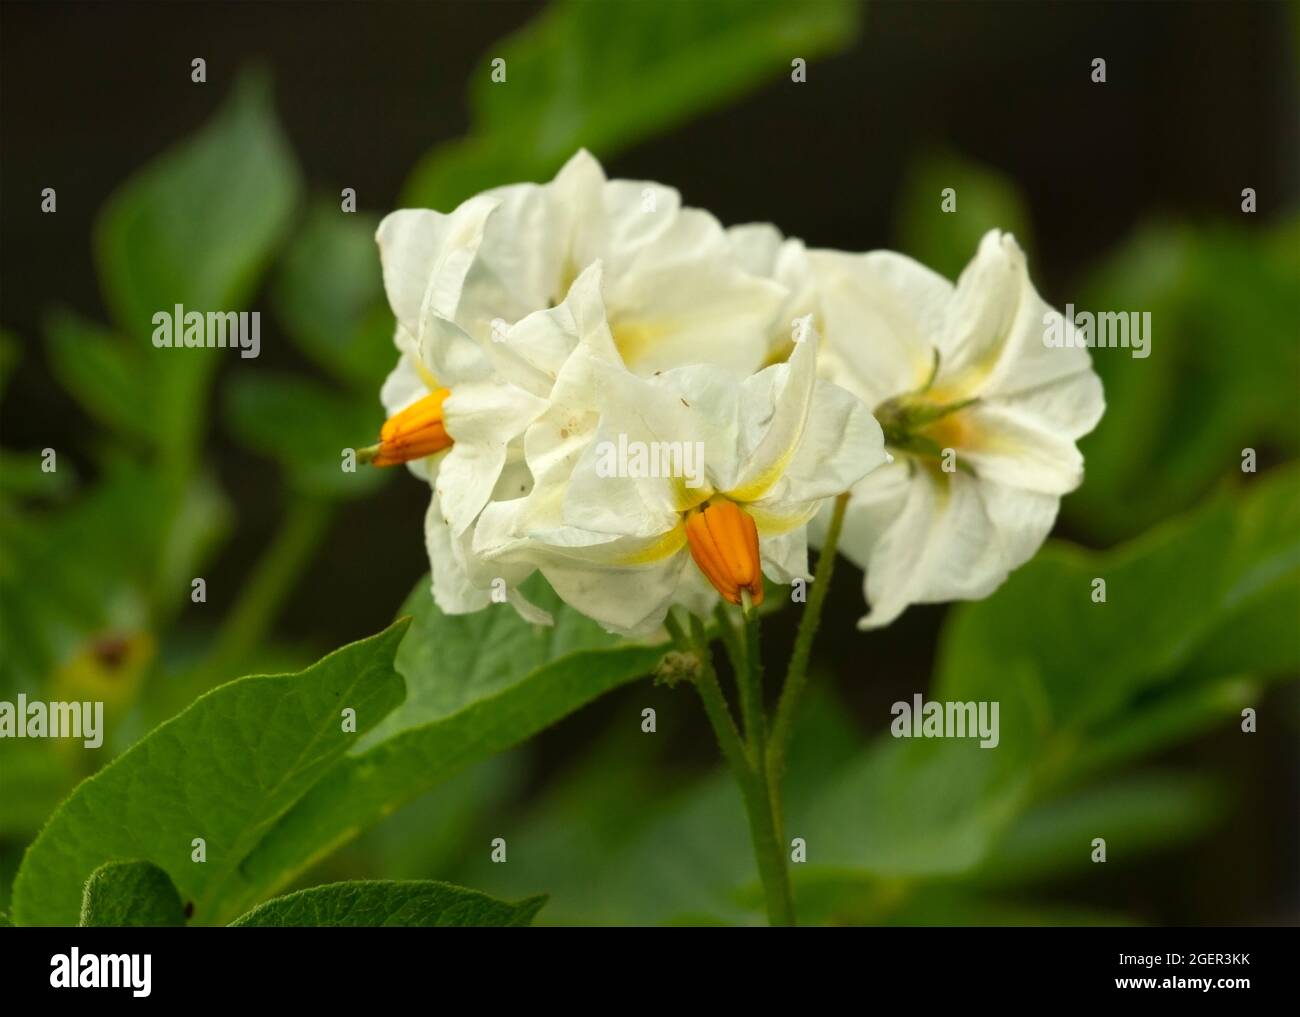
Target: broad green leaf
[605,76]
[366,903]
[477,685]
[5,923]
[195,228]
[224,771]
[984,199]
[305,427]
[136,894]
[329,294]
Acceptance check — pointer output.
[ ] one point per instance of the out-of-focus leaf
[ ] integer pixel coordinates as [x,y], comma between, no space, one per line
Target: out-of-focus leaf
[1066,674]
[477,685]
[1219,375]
[305,427]
[424,838]
[34,777]
[102,372]
[946,803]
[131,894]
[1135,816]
[984,199]
[329,293]
[1065,668]
[1182,709]
[21,476]
[369,904]
[196,228]
[223,770]
[605,76]
[614,843]
[80,572]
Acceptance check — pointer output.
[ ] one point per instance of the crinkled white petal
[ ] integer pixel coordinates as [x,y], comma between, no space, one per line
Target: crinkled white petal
[425,256]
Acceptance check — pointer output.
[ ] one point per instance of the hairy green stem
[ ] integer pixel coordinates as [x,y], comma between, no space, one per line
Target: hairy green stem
[748,770]
[796,679]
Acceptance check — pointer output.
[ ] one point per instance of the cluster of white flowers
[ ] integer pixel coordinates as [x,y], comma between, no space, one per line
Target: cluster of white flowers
[540,327]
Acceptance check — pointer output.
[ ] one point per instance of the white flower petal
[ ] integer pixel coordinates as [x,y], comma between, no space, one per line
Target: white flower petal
[842,443]
[1012,448]
[882,314]
[942,546]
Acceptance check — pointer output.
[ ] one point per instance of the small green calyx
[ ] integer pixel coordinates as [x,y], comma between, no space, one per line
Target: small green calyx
[677,667]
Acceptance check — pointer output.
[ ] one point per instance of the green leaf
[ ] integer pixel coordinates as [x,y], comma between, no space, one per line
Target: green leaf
[477,685]
[305,427]
[105,375]
[1066,669]
[136,894]
[224,770]
[329,293]
[1219,376]
[196,228]
[33,779]
[372,903]
[605,76]
[1135,816]
[618,840]
[198,224]
[68,577]
[985,199]
[946,801]
[1079,685]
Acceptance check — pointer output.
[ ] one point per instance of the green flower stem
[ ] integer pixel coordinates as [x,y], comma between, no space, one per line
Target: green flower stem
[796,679]
[730,638]
[750,679]
[751,778]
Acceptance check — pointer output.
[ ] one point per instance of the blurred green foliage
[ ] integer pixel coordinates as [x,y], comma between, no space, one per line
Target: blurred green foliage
[604,76]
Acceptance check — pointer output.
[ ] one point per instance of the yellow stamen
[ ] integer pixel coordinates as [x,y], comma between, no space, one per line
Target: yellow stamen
[414,433]
[724,543]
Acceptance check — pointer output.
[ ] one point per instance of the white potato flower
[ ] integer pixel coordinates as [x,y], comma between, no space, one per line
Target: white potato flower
[616,540]
[980,415]
[480,296]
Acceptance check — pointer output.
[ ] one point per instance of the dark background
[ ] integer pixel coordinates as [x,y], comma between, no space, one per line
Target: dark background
[1200,101]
